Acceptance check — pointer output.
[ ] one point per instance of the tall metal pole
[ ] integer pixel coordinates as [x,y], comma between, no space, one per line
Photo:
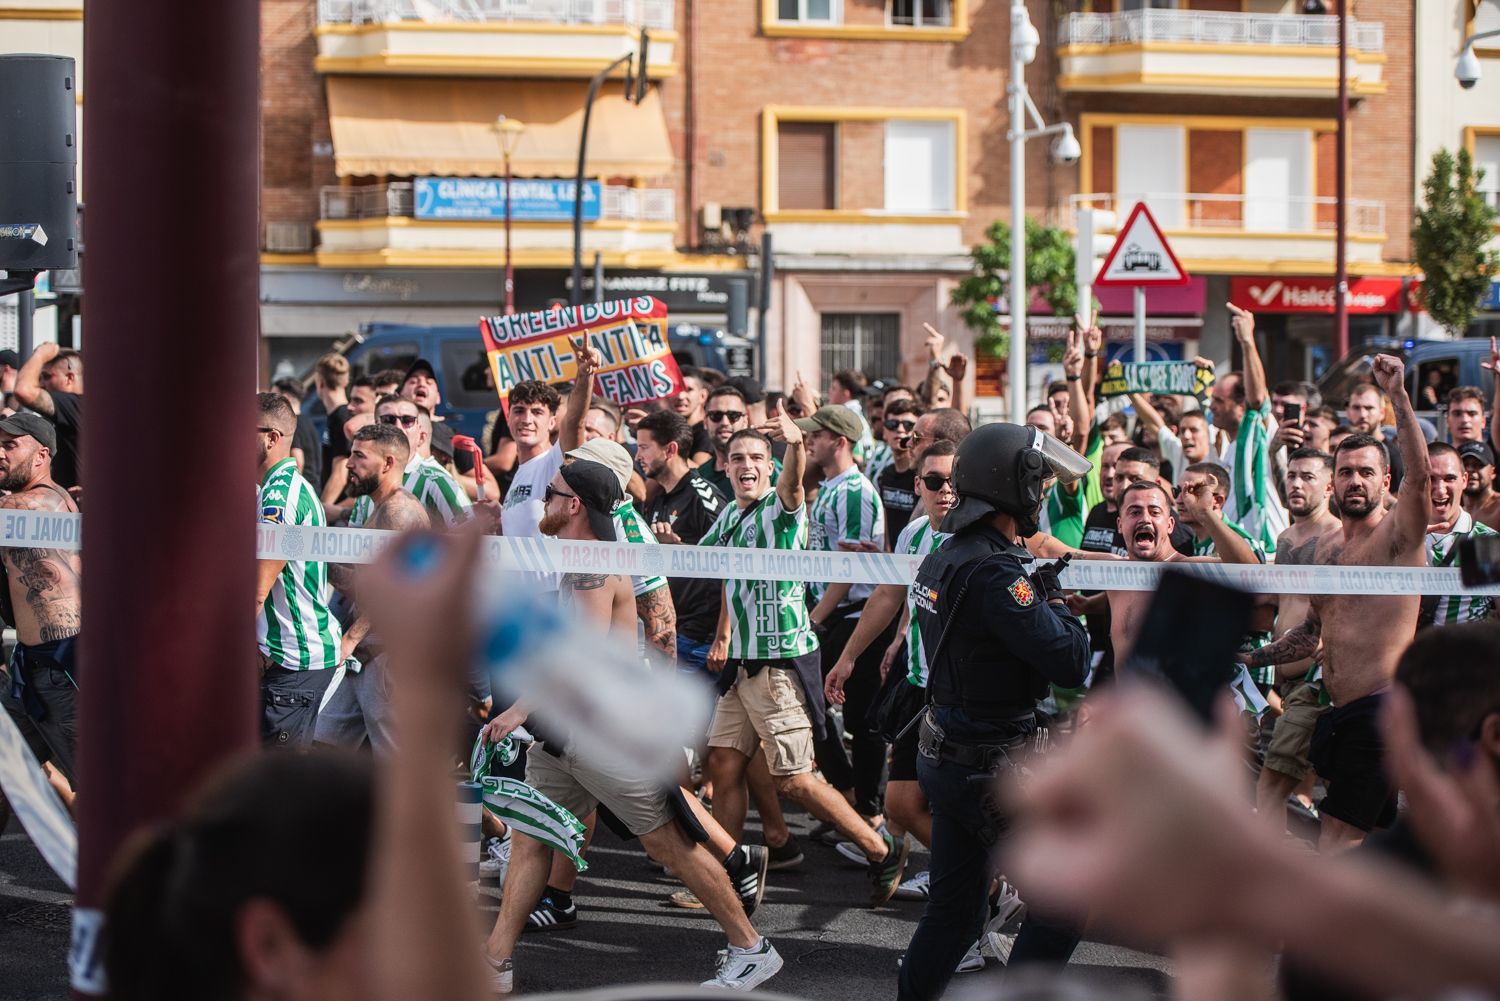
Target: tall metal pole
[1140,324]
[763,306]
[169,679]
[575,295]
[510,274]
[1017,289]
[1341,221]
[25,314]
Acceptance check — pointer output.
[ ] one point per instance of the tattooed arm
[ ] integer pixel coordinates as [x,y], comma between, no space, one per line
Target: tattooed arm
[400,512]
[659,617]
[46,585]
[1300,642]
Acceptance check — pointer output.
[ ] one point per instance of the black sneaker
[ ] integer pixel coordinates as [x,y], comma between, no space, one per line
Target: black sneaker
[786,856]
[549,917]
[749,879]
[885,875]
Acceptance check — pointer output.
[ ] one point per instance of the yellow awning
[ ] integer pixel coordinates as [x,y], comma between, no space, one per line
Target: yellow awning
[398,127]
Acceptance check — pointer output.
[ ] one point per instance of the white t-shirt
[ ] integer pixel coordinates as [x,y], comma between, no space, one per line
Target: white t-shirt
[523,501]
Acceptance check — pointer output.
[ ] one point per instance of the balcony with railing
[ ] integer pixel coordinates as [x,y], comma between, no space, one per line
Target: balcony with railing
[1214,232]
[378,225]
[537,38]
[1212,52]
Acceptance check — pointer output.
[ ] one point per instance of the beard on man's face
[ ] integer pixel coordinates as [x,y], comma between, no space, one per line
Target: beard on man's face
[552,523]
[361,486]
[1357,503]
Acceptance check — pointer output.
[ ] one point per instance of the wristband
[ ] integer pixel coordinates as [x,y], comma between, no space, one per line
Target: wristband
[1091,354]
[1073,378]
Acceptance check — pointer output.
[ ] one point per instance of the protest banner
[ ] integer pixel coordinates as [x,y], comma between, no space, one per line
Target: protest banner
[630,336]
[1175,378]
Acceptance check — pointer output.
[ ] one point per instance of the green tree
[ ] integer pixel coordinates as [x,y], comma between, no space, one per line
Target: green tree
[1049,272]
[1453,226]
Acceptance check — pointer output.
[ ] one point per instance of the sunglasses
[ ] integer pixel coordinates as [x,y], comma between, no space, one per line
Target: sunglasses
[552,492]
[724,415]
[895,425]
[936,482]
[405,420]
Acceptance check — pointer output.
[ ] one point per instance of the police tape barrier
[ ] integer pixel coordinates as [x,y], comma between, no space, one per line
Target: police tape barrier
[551,556]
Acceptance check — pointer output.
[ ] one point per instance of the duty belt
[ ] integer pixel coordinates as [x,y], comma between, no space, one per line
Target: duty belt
[933,742]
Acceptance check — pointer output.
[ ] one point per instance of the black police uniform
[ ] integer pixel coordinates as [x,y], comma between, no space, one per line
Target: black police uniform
[1005,643]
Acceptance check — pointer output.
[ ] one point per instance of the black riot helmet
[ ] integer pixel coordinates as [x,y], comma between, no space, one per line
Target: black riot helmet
[1002,467]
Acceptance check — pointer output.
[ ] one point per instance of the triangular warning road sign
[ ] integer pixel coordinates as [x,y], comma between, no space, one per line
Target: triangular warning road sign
[1141,255]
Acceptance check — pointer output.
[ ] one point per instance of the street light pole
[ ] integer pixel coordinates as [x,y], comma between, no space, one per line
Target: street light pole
[1341,219]
[510,134]
[1023,45]
[1017,289]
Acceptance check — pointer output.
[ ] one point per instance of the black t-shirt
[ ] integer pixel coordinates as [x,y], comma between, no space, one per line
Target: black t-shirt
[67,417]
[702,441]
[306,437]
[1101,534]
[691,509]
[334,442]
[898,495]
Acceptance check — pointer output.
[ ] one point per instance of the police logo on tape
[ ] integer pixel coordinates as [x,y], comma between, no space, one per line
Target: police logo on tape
[291,544]
[652,560]
[1022,592]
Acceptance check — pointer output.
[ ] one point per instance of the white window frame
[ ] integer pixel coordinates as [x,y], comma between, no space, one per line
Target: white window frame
[835,13]
[943,197]
[917,16]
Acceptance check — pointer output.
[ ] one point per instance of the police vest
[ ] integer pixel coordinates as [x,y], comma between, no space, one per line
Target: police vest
[972,668]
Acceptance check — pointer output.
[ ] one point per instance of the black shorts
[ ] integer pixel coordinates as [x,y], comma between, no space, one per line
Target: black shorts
[904,750]
[1348,754]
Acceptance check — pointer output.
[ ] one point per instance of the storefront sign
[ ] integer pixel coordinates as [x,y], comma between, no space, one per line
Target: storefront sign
[630,336]
[681,292]
[540,199]
[1315,295]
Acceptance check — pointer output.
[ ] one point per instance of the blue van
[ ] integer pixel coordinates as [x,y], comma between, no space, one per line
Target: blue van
[1432,369]
[463,372]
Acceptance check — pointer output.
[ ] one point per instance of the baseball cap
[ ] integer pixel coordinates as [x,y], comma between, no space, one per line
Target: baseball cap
[1468,450]
[834,417]
[8,357]
[420,365]
[35,425]
[609,454]
[442,438]
[599,491]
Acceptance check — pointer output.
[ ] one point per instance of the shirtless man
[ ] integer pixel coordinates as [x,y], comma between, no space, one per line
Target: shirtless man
[578,505]
[1146,522]
[44,598]
[1363,635]
[1309,486]
[357,703]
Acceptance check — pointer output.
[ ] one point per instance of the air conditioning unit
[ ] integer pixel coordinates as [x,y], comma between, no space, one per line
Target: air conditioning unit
[711,217]
[289,237]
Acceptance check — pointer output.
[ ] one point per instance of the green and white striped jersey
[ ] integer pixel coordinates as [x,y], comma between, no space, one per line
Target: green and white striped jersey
[880,457]
[1442,551]
[1206,547]
[446,502]
[1063,516]
[918,538]
[295,629]
[847,509]
[1253,501]
[631,527]
[767,618]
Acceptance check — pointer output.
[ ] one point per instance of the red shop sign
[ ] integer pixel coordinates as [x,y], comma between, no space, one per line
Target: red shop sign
[1314,295]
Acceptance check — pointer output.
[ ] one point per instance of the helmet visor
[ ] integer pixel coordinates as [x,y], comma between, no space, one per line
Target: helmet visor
[1064,463]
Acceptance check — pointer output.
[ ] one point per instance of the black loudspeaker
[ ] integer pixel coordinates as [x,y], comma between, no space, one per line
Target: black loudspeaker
[38,163]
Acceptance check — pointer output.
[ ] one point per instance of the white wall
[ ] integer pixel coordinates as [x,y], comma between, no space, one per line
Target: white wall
[1443,108]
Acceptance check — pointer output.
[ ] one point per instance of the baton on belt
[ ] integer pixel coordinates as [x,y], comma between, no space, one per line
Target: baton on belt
[471,446]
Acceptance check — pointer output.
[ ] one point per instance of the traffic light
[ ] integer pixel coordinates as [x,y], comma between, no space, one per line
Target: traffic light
[1096,235]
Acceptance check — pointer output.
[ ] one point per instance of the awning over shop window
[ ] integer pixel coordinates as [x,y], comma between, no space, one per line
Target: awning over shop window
[400,127]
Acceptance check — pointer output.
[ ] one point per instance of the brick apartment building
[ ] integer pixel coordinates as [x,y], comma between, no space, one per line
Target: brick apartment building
[867,136]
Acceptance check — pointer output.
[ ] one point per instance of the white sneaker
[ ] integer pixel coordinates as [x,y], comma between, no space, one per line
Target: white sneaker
[1000,944]
[743,969]
[1007,911]
[972,961]
[496,858]
[919,887]
[852,852]
[502,975]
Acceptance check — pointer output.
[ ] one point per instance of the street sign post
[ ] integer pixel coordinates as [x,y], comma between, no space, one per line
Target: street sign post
[1141,258]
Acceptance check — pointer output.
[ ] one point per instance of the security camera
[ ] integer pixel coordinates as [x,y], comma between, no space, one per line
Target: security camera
[1066,149]
[1467,71]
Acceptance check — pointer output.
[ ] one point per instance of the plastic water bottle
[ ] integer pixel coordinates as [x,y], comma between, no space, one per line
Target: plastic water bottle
[582,684]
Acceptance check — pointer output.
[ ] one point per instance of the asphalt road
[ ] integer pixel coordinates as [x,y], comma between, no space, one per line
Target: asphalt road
[835,949]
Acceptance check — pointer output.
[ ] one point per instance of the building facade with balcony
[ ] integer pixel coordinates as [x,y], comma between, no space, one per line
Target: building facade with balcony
[1221,116]
[383,191]
[1449,116]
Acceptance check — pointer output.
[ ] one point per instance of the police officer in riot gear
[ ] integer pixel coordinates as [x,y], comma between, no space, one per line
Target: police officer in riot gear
[996,633]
